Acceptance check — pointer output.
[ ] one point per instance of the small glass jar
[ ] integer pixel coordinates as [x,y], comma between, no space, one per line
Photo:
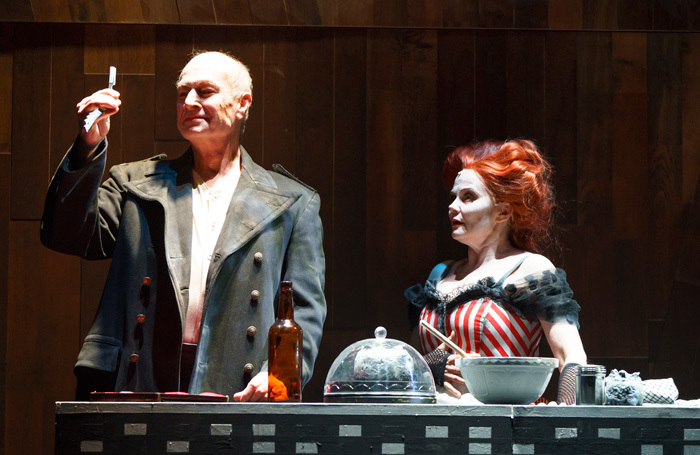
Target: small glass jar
[590,384]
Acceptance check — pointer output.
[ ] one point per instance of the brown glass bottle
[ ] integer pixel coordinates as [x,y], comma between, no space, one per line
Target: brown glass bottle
[284,357]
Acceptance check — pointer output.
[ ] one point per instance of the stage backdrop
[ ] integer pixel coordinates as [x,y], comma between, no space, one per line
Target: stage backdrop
[363,100]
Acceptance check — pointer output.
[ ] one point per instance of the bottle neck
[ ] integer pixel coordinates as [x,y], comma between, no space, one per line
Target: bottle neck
[286,305]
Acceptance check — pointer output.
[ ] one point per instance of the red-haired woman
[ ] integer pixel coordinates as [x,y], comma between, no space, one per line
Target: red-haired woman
[501,298]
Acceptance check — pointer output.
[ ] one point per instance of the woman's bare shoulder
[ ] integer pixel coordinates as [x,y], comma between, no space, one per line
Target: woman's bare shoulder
[535,264]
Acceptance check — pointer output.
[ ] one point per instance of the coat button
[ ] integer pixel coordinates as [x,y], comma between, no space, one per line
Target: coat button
[255,296]
[146,281]
[251,331]
[248,368]
[258,257]
[133,358]
[141,318]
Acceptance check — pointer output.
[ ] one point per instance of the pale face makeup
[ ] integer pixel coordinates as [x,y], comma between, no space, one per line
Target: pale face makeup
[474,214]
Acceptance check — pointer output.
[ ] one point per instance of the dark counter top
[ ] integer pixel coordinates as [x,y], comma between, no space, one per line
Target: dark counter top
[157,427]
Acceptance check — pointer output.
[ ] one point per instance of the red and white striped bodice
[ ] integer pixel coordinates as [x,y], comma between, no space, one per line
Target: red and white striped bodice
[485,327]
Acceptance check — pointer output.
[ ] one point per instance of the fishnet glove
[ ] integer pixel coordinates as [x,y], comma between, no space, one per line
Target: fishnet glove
[567,384]
[436,361]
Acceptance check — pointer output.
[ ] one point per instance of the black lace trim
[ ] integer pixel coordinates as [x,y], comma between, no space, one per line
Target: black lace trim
[548,297]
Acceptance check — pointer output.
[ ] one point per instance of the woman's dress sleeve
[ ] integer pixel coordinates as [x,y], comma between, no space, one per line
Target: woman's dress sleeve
[546,297]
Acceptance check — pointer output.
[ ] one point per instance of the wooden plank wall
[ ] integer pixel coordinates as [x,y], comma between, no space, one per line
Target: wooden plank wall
[364,109]
[637,15]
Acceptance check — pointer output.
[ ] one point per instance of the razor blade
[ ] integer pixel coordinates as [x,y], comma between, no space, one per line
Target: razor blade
[94,115]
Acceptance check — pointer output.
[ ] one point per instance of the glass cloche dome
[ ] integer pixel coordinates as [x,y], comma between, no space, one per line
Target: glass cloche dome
[379,370]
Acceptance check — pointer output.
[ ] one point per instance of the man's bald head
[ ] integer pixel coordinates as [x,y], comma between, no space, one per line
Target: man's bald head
[237,73]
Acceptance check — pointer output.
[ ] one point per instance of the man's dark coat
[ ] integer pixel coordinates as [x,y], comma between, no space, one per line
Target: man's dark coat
[141,218]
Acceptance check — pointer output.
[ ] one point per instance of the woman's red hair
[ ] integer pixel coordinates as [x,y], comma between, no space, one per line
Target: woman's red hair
[515,172]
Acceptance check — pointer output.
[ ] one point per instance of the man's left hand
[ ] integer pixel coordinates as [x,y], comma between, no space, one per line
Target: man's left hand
[256,389]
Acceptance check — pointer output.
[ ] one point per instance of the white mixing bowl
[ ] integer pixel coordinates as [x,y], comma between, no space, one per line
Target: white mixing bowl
[507,380]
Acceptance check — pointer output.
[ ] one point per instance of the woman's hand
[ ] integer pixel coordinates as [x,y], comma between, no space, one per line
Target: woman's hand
[454,382]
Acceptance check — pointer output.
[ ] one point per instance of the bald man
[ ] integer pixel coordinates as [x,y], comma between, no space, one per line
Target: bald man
[199,245]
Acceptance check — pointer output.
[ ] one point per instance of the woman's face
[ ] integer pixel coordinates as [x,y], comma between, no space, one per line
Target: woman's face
[473,213]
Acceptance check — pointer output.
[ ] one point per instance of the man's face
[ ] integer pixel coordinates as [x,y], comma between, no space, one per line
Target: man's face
[207,103]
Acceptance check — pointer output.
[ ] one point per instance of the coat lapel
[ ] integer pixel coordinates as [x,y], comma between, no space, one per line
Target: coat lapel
[255,204]
[170,185]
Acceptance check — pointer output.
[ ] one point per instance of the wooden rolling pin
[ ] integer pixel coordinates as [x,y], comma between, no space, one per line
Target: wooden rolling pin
[443,338]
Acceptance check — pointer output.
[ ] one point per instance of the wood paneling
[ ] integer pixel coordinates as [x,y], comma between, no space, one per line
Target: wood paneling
[43,322]
[358,13]
[401,94]
[314,125]
[531,14]
[328,12]
[690,79]
[496,13]
[418,84]
[279,94]
[490,86]
[4,265]
[403,13]
[346,268]
[160,11]
[138,111]
[525,85]
[130,48]
[247,44]
[303,12]
[31,116]
[634,14]
[196,12]
[455,107]
[456,113]
[87,11]
[630,169]
[591,271]
[122,11]
[665,160]
[366,116]
[51,10]
[670,15]
[689,261]
[460,13]
[560,120]
[565,14]
[173,45]
[680,341]
[232,11]
[16,10]
[420,161]
[67,88]
[268,12]
[384,169]
[6,39]
[598,15]
[130,11]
